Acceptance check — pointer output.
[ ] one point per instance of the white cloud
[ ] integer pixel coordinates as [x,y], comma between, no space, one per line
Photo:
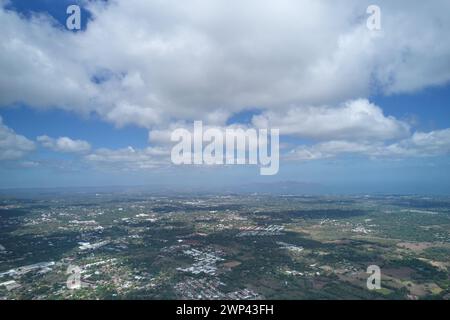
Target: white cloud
[162,62]
[420,144]
[355,120]
[160,65]
[162,138]
[129,158]
[29,164]
[12,145]
[327,150]
[64,144]
[425,144]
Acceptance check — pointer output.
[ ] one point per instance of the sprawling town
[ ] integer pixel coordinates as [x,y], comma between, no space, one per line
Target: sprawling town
[235,247]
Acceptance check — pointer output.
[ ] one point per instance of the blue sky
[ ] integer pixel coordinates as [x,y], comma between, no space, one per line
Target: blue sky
[168,66]
[57,9]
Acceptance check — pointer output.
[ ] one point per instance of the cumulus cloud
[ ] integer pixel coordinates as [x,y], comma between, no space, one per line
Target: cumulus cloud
[420,144]
[29,164]
[161,65]
[150,63]
[12,145]
[64,144]
[356,120]
[129,158]
[162,138]
[425,144]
